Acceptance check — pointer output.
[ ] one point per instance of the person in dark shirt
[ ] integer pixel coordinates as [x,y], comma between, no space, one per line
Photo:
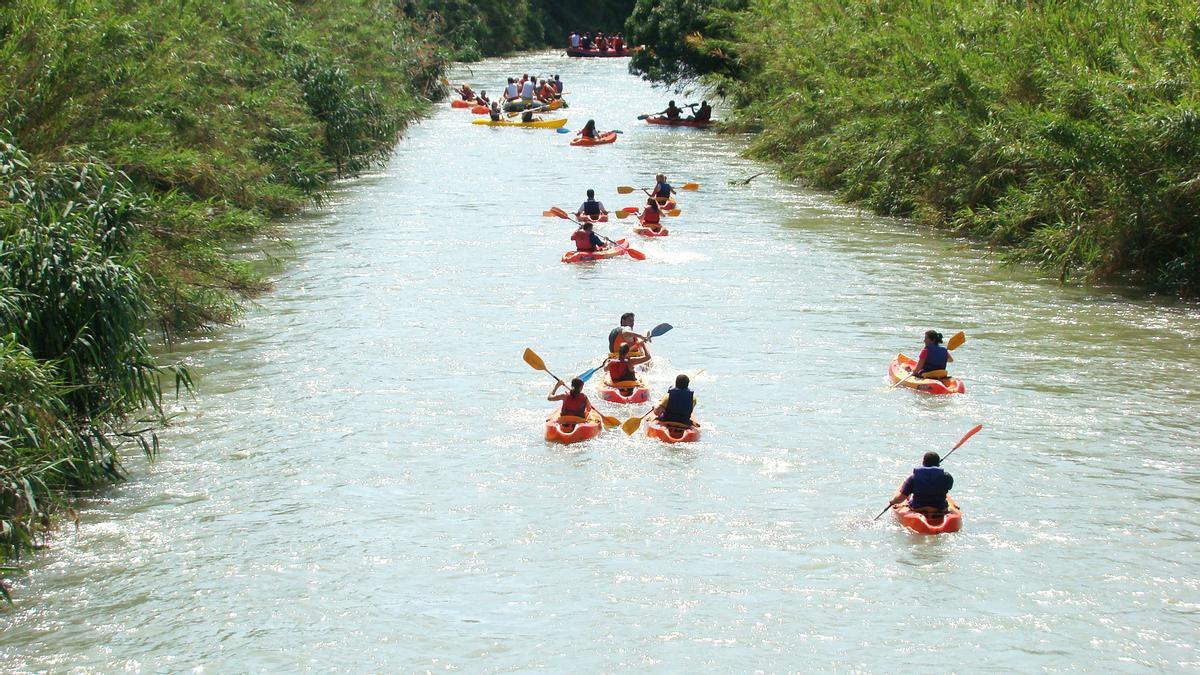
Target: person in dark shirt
[927,487]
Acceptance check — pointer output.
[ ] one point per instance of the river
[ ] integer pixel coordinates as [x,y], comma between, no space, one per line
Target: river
[361,482]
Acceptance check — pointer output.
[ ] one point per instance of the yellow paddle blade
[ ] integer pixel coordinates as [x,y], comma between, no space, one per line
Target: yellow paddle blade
[690,187]
[623,213]
[533,359]
[956,340]
[610,421]
[624,189]
[630,426]
[673,212]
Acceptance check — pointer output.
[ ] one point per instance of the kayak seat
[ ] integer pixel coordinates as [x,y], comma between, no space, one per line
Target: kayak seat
[935,374]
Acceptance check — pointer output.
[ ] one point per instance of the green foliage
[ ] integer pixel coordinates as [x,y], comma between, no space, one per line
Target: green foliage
[684,38]
[141,140]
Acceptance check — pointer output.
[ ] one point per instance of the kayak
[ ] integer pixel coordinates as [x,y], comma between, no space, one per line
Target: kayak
[536,124]
[480,110]
[677,123]
[921,523]
[647,232]
[602,139]
[670,432]
[602,218]
[459,103]
[589,256]
[519,104]
[594,53]
[635,394]
[902,366]
[567,429]
[668,205]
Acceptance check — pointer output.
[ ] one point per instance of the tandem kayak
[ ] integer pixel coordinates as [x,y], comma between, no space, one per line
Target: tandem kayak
[520,104]
[567,429]
[536,124]
[588,256]
[671,432]
[677,123]
[602,139]
[598,53]
[635,393]
[926,523]
[901,368]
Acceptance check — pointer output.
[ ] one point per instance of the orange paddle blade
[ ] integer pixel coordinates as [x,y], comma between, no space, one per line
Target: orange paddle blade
[967,436]
[533,359]
[690,187]
[956,340]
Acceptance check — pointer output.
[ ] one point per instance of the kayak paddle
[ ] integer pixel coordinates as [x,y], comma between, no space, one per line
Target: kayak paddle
[974,430]
[587,374]
[633,253]
[631,425]
[953,343]
[626,189]
[537,363]
[563,130]
[660,329]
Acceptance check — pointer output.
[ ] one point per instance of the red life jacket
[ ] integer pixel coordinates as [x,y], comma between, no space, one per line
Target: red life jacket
[583,241]
[620,371]
[575,405]
[651,216]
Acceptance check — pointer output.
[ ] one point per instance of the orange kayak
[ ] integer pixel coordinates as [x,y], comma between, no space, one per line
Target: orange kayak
[922,523]
[669,432]
[647,231]
[602,139]
[567,429]
[459,103]
[638,393]
[602,218]
[480,110]
[901,368]
[589,256]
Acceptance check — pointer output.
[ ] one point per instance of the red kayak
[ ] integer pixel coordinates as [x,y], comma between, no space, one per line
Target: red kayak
[480,110]
[647,231]
[597,53]
[602,218]
[589,256]
[671,432]
[602,139]
[930,523]
[458,103]
[677,123]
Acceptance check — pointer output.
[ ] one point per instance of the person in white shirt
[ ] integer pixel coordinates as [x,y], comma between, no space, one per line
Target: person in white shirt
[511,92]
[527,90]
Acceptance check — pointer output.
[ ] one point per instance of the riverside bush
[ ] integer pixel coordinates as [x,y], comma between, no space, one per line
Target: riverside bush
[1066,132]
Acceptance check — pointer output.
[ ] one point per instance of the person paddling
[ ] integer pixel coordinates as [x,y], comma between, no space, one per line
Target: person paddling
[494,113]
[672,112]
[575,403]
[934,358]
[482,98]
[662,189]
[558,86]
[624,336]
[588,130]
[585,240]
[704,114]
[651,217]
[927,487]
[677,406]
[620,369]
[591,209]
[466,92]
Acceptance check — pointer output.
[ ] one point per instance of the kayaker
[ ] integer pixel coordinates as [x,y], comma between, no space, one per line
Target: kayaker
[527,116]
[466,92]
[546,91]
[587,40]
[574,402]
[934,358]
[511,91]
[482,98]
[527,91]
[618,43]
[679,403]
[573,40]
[588,130]
[624,336]
[586,240]
[558,86]
[601,42]
[591,208]
[651,216]
[927,487]
[704,114]
[494,113]
[662,189]
[620,369]
[672,112]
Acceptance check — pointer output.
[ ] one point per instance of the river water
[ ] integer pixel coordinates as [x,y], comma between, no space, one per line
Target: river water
[361,483]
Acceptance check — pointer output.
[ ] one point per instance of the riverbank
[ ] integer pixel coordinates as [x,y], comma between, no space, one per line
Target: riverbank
[137,146]
[1068,136]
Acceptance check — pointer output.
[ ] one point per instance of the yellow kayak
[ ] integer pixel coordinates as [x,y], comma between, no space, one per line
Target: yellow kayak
[536,124]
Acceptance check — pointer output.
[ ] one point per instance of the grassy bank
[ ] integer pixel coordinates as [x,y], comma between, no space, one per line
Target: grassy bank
[1068,134]
[136,143]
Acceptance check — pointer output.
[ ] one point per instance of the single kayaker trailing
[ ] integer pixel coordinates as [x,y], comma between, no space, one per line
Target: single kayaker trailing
[574,402]
[620,369]
[586,240]
[672,111]
[927,487]
[588,130]
[623,336]
[651,217]
[677,406]
[590,208]
[934,358]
